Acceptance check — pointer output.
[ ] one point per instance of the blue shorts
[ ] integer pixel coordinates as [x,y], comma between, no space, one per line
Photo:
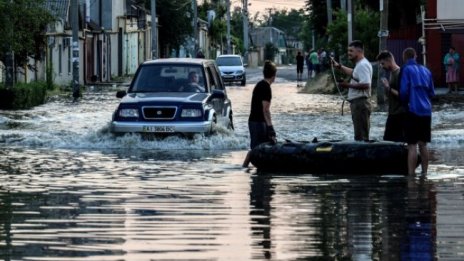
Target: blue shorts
[258,133]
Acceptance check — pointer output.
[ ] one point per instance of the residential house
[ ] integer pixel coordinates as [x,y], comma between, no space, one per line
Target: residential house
[114,38]
[442,26]
[263,35]
[59,41]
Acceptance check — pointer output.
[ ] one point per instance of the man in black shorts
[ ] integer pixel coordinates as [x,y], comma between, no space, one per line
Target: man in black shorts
[299,67]
[260,122]
[394,127]
[416,91]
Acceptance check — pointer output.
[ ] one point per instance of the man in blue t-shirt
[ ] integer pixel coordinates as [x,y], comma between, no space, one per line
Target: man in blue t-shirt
[416,91]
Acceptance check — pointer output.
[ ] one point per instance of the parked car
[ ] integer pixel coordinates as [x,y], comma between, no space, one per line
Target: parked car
[232,68]
[162,99]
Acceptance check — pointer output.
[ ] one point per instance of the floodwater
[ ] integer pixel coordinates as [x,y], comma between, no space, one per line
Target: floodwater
[69,190]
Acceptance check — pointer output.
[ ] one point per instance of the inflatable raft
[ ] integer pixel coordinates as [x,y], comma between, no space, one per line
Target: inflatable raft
[332,157]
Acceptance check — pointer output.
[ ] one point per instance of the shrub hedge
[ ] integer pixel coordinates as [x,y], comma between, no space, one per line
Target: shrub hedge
[23,95]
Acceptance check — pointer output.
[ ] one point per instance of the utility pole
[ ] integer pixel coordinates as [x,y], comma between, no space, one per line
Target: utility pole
[195,27]
[383,34]
[422,40]
[245,32]
[9,59]
[350,21]
[75,48]
[154,31]
[228,26]
[329,12]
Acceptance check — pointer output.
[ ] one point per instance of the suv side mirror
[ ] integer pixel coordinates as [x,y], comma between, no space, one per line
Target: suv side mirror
[120,94]
[245,65]
[218,94]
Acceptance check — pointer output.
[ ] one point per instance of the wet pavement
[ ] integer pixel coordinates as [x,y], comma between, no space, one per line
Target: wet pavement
[69,190]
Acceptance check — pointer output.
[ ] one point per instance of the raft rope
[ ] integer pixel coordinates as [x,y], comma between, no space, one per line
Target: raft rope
[336,85]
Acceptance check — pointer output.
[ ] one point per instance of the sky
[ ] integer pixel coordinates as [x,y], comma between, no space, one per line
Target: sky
[262,5]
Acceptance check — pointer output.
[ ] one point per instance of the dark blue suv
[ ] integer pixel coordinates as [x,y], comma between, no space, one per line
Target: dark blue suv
[175,95]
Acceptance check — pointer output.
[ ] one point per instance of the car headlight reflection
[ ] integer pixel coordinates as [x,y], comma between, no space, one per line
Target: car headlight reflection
[129,113]
[191,113]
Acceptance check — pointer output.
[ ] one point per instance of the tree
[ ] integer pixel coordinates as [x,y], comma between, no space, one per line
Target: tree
[22,25]
[174,21]
[365,32]
[291,22]
[218,27]
[405,12]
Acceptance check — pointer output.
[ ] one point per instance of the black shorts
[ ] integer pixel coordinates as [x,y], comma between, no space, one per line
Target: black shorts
[299,69]
[394,128]
[418,128]
[258,133]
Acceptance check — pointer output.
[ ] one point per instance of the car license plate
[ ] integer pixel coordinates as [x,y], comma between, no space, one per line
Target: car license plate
[228,76]
[158,129]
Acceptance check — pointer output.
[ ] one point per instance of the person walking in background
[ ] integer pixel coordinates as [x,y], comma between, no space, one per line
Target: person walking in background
[359,89]
[200,54]
[322,59]
[299,67]
[416,91]
[394,127]
[260,122]
[314,57]
[451,61]
[309,65]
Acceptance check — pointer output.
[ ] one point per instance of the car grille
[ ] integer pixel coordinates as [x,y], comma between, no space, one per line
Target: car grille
[159,113]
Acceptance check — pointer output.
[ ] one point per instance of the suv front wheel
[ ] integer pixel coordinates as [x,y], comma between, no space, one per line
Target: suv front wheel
[243,82]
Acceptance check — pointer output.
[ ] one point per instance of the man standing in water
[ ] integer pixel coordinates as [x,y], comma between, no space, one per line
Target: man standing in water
[416,91]
[299,68]
[260,122]
[394,127]
[359,89]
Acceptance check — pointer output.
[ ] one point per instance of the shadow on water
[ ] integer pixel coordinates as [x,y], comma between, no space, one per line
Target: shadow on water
[340,218]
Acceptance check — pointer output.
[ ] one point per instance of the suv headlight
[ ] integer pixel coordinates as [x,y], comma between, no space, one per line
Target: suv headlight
[240,72]
[191,113]
[129,113]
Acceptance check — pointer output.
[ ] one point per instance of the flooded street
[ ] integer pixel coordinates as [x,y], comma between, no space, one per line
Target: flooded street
[69,190]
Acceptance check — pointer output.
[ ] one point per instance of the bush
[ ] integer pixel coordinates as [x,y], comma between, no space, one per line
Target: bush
[23,95]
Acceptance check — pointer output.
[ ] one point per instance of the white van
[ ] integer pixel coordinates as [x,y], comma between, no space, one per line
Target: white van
[232,68]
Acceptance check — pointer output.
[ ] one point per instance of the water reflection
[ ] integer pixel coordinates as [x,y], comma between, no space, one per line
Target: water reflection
[333,218]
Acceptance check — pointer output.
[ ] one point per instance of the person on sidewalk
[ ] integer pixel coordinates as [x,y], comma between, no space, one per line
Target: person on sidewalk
[394,127]
[451,61]
[416,92]
[359,89]
[259,121]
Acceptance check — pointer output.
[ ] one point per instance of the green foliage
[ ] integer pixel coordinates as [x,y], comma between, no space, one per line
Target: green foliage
[22,26]
[236,29]
[175,24]
[363,30]
[23,96]
[291,22]
[174,21]
[49,75]
[217,29]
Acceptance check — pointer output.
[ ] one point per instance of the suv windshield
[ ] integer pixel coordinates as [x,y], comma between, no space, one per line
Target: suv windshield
[169,78]
[229,61]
